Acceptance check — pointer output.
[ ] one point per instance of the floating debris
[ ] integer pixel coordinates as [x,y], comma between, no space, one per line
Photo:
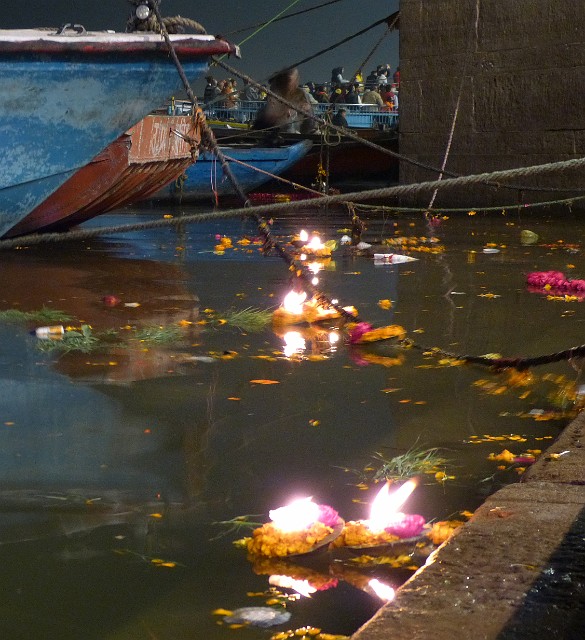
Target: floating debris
[528,237]
[392,258]
[262,617]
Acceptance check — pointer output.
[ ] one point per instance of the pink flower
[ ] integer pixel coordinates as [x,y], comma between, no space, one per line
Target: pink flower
[410,525]
[524,460]
[358,331]
[327,585]
[327,515]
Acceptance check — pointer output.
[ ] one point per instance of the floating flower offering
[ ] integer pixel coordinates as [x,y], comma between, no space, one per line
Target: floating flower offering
[301,527]
[312,246]
[386,525]
[296,309]
[363,332]
[554,282]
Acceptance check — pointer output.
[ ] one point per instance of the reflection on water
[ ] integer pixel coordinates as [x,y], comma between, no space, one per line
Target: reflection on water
[117,463]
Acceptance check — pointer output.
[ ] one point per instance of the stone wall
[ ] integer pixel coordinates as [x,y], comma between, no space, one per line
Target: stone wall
[517,68]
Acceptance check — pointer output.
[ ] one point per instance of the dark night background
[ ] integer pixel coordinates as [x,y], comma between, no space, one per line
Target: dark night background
[276,46]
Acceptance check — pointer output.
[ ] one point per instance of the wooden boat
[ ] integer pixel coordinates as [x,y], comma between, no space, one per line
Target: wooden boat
[140,162]
[67,95]
[205,179]
[344,158]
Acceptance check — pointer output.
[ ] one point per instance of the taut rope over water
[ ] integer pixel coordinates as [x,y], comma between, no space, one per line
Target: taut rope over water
[37,238]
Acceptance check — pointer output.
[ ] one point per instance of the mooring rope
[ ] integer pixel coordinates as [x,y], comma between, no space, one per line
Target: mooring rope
[263,26]
[207,133]
[502,363]
[278,19]
[387,20]
[84,234]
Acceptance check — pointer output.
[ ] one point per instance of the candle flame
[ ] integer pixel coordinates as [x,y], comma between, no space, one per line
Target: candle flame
[298,515]
[386,505]
[303,235]
[383,591]
[287,582]
[315,243]
[293,302]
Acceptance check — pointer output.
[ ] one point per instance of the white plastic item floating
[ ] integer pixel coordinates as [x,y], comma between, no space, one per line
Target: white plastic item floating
[49,332]
[391,258]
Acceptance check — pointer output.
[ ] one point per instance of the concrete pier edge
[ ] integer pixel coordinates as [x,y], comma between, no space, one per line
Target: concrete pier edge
[476,582]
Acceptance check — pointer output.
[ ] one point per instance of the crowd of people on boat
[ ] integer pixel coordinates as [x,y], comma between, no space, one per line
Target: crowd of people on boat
[379,89]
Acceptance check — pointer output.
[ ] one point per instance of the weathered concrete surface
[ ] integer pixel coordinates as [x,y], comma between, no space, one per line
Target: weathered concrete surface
[476,583]
[514,72]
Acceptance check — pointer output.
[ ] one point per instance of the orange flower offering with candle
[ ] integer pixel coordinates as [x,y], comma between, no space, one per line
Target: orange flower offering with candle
[301,527]
[296,309]
[386,524]
[313,247]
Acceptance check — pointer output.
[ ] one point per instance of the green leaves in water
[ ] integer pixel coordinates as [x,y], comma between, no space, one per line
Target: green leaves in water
[158,334]
[72,340]
[249,319]
[44,315]
[413,462]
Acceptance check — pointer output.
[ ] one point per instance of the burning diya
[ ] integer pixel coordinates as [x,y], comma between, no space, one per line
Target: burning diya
[296,309]
[299,528]
[312,247]
[386,525]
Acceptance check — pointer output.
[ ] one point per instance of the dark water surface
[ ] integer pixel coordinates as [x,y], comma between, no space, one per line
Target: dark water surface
[113,459]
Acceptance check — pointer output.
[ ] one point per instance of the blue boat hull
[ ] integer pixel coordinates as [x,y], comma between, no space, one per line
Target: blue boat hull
[58,110]
[205,178]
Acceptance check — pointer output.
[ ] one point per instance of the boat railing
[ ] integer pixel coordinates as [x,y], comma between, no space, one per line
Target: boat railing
[358,116]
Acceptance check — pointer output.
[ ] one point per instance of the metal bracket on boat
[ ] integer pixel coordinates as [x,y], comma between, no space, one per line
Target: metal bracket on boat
[78,28]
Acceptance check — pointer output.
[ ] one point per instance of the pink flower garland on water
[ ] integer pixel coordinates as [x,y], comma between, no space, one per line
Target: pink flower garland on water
[554,282]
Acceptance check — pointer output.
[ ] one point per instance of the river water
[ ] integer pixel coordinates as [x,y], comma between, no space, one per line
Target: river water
[118,464]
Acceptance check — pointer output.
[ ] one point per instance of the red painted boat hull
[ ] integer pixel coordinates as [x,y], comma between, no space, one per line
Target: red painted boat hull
[136,165]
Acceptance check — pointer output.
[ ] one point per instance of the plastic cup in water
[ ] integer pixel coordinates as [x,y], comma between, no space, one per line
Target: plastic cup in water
[50,332]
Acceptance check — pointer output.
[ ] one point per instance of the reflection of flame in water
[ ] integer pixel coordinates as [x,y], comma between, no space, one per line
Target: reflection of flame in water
[315,267]
[298,515]
[293,343]
[383,591]
[293,302]
[287,582]
[319,342]
[385,506]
